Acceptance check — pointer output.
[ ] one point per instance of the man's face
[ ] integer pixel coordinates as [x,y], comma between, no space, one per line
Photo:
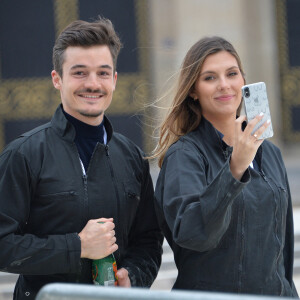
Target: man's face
[87,83]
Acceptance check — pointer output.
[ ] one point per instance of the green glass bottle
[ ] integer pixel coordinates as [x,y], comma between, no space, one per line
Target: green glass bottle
[104,270]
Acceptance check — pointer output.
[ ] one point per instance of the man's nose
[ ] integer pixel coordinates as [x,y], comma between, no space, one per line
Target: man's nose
[93,82]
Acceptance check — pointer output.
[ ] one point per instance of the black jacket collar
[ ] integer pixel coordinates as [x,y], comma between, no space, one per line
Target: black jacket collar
[66,130]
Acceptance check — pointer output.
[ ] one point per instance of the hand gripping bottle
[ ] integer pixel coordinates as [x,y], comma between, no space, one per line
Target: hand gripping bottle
[104,270]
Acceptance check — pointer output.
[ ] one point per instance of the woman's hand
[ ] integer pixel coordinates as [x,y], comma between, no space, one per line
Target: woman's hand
[245,145]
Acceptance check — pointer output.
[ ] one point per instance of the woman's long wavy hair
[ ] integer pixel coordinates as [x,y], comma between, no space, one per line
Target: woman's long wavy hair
[185,114]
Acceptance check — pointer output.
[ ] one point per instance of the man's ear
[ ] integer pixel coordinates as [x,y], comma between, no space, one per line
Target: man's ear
[56,80]
[115,80]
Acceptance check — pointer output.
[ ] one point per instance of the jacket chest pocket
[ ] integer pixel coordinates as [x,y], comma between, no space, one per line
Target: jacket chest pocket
[283,200]
[281,204]
[130,202]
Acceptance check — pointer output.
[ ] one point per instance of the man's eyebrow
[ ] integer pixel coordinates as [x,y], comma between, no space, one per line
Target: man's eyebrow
[78,66]
[105,67]
[84,66]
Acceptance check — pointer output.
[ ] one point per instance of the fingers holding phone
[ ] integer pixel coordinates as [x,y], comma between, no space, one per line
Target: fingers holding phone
[256,128]
[259,127]
[245,146]
[261,130]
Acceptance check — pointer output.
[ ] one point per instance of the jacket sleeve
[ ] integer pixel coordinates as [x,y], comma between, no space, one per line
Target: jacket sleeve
[196,211]
[143,256]
[288,250]
[21,252]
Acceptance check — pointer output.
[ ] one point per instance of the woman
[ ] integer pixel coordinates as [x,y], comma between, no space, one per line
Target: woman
[223,197]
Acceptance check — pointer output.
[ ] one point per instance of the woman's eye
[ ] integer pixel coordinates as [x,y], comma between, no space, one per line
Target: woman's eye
[233,74]
[209,78]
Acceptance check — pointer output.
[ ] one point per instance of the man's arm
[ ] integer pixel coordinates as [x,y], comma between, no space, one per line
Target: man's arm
[22,252]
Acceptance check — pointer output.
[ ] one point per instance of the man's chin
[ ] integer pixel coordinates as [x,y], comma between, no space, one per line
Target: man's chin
[91,114]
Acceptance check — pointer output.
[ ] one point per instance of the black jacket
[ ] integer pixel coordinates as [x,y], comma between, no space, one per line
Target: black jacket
[227,235]
[45,200]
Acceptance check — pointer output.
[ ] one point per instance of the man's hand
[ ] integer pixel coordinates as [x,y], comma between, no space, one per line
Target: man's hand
[123,278]
[98,240]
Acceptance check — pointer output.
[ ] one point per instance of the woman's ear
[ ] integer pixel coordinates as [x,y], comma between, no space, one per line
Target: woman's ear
[193,95]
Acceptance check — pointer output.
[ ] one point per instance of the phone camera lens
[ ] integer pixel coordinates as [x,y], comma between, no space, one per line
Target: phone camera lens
[247,92]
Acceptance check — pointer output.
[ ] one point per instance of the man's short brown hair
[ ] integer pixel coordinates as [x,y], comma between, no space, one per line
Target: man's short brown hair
[86,34]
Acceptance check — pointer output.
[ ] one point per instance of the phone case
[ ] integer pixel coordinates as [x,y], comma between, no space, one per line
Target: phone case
[256,101]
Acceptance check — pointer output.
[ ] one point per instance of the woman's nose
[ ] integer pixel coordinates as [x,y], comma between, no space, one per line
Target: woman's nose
[223,83]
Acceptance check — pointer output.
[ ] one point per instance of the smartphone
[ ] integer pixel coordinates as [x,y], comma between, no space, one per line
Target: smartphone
[256,101]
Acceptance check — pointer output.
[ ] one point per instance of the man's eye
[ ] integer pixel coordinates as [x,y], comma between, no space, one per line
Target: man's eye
[79,73]
[104,73]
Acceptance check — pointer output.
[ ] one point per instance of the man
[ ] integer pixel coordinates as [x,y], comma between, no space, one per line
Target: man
[58,181]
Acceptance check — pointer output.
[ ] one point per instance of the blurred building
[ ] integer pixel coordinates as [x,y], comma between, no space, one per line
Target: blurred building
[266,34]
[28,30]
[156,36]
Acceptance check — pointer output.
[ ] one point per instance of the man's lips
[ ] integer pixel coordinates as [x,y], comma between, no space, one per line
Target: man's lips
[90,94]
[94,96]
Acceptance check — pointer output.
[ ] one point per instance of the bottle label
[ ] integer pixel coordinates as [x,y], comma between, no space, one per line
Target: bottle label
[104,271]
[109,283]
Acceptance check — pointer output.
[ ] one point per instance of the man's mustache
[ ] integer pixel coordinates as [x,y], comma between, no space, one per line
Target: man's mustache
[91,91]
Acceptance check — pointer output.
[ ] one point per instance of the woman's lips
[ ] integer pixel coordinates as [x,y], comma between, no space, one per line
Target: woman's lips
[224,97]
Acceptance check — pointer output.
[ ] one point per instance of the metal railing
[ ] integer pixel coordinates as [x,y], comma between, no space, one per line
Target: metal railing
[61,291]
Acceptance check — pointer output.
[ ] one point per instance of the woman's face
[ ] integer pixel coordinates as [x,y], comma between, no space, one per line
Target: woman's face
[218,88]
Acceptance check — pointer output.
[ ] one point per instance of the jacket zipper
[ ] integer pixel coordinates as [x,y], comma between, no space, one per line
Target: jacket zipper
[116,193]
[85,197]
[240,266]
[242,247]
[85,178]
[85,187]
[276,230]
